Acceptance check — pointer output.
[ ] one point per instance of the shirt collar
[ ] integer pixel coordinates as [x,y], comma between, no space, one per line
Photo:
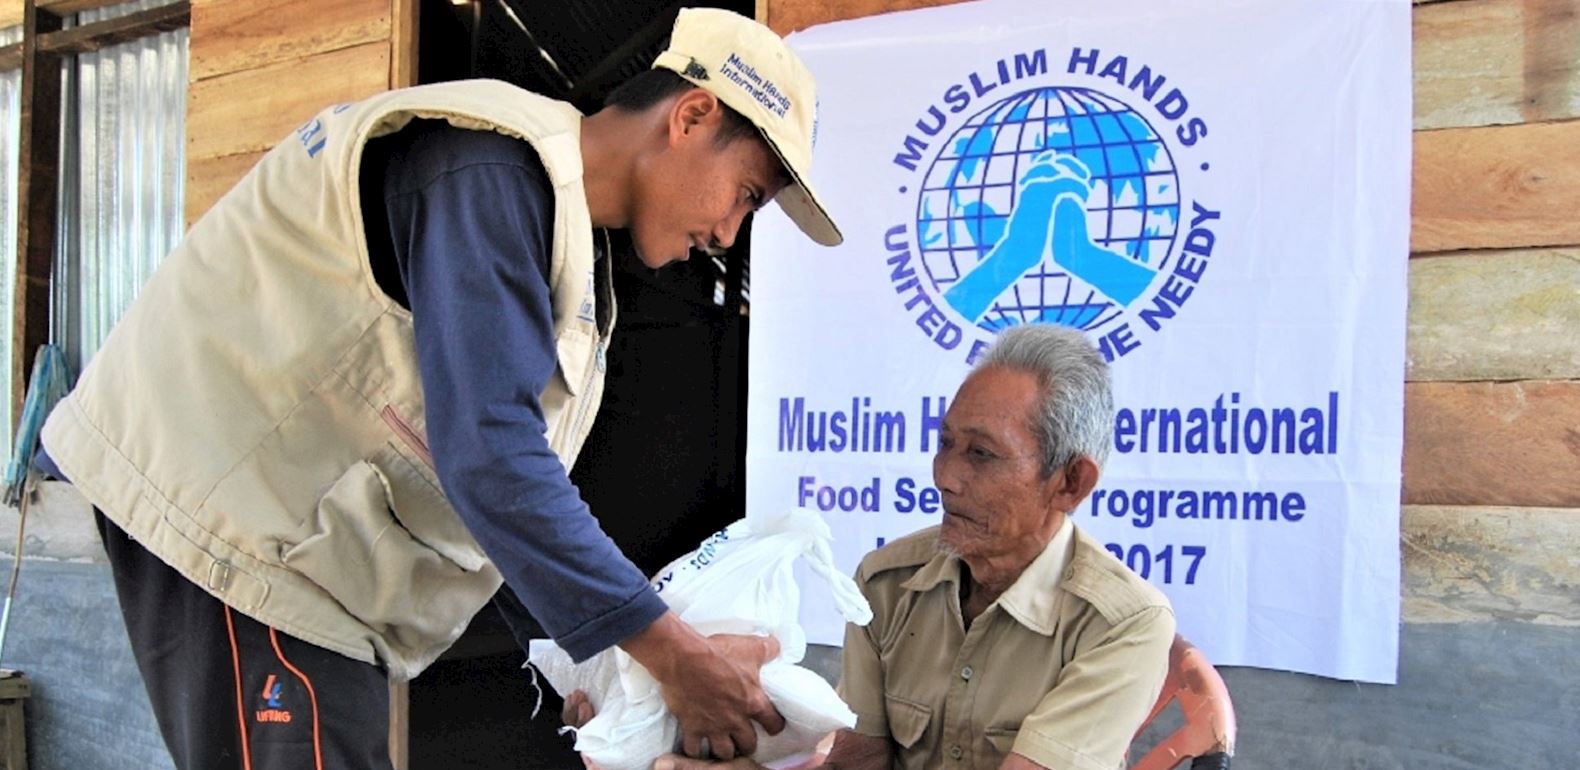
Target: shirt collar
[1032,599]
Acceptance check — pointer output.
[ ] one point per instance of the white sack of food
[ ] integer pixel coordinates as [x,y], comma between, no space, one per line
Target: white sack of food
[739,581]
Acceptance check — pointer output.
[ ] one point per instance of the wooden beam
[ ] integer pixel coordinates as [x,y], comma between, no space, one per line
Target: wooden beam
[121,29]
[400,724]
[37,197]
[1495,315]
[1494,62]
[232,37]
[404,33]
[1487,443]
[64,8]
[1496,188]
[1463,564]
[11,10]
[11,57]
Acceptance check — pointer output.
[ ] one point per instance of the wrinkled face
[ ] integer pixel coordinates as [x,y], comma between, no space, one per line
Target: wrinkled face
[695,192]
[989,470]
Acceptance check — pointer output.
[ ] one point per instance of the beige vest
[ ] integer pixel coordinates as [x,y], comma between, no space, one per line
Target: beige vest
[256,419]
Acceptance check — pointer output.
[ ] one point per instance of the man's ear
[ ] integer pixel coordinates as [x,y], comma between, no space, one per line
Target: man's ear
[1073,482]
[691,113]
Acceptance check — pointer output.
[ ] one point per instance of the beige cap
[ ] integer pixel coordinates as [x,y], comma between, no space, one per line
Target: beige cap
[750,68]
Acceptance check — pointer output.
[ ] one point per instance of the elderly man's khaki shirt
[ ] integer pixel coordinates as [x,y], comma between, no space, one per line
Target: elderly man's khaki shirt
[1061,669]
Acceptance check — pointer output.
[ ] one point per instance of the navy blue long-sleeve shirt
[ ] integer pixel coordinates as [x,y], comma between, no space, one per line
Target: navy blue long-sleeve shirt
[469,221]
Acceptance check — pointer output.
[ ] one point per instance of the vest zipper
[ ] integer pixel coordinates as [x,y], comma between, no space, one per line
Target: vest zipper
[407,434]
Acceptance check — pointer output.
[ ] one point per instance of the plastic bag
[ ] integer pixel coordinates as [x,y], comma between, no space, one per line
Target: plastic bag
[739,581]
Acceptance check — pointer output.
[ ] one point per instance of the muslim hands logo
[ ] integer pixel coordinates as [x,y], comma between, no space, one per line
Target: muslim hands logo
[1055,205]
[1058,204]
[1049,222]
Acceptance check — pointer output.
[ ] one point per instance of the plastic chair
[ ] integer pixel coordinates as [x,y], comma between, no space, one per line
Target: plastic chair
[1207,736]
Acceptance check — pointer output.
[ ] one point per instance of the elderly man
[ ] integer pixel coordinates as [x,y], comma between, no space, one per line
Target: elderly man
[1005,637]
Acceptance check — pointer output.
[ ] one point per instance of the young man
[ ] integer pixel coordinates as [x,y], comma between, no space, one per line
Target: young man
[342,411]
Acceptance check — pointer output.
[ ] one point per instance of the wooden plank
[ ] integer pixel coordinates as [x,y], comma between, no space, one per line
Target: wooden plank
[1493,62]
[404,43]
[400,724]
[69,7]
[1496,187]
[1486,443]
[38,169]
[1500,315]
[121,29]
[786,16]
[210,178]
[1478,564]
[253,110]
[231,36]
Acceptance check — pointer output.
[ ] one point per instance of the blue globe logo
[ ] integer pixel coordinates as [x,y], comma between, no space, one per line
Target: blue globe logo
[1055,205]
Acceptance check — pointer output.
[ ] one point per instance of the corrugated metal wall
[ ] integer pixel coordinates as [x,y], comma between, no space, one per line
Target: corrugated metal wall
[123,177]
[10,146]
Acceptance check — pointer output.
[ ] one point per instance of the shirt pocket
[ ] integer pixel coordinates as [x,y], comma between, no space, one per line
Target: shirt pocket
[1002,739]
[908,720]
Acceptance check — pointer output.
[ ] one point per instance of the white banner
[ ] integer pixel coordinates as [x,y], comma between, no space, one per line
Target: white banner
[1216,192]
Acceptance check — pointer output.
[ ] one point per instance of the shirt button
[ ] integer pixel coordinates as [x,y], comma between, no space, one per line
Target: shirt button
[965,673]
[955,752]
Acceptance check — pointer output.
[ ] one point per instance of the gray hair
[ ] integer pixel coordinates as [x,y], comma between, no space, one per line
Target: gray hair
[1076,416]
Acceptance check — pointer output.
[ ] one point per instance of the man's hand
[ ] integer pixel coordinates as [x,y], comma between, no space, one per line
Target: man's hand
[710,685]
[578,710]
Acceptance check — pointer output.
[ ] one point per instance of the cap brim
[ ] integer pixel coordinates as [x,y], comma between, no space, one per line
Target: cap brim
[801,204]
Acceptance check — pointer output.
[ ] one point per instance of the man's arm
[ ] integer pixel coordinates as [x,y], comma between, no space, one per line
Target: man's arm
[470,217]
[854,751]
[470,220]
[1089,718]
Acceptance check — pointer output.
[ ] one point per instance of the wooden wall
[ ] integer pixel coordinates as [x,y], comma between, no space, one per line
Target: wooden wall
[1492,397]
[260,68]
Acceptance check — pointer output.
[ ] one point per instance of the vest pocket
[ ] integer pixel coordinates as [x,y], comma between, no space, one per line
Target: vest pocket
[422,509]
[362,555]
